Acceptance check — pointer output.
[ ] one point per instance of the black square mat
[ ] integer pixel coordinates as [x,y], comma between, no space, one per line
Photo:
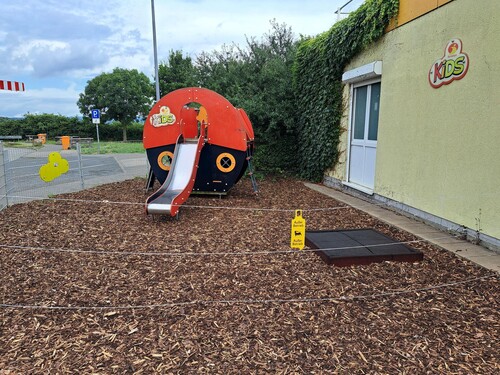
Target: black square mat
[359,246]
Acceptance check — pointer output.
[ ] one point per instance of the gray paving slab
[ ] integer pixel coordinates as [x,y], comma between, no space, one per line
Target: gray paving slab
[477,254]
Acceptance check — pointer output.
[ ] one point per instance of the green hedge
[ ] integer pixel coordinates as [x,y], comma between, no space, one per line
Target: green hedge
[317,74]
[57,125]
[113,131]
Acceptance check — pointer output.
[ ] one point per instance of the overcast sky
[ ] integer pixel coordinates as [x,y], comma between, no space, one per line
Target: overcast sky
[56,46]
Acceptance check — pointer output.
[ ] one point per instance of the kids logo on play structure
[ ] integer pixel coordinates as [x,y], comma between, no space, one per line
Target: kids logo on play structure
[164,118]
[451,67]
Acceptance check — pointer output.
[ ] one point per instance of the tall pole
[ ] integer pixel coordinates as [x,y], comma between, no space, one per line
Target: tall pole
[155,51]
[151,176]
[98,143]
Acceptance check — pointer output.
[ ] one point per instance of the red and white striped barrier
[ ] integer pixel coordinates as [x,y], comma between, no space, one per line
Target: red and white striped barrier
[11,85]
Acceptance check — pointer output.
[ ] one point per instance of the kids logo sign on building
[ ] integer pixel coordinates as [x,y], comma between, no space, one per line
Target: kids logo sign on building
[452,66]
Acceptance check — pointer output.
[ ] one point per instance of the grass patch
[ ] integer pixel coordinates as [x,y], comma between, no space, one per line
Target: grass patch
[114,148]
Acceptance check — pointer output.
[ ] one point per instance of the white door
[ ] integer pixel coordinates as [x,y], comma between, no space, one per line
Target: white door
[364,128]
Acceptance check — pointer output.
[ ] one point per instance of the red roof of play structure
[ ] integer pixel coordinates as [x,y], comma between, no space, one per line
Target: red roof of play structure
[169,117]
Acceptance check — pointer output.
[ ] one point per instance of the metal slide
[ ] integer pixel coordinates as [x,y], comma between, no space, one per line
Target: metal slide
[180,180]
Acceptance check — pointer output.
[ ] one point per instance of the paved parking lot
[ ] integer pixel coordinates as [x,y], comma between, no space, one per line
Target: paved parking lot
[24,182]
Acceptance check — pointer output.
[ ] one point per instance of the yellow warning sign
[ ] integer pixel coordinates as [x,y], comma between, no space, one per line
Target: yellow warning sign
[298,233]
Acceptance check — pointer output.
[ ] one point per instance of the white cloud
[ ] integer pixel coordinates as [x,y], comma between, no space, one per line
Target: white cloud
[56,46]
[47,100]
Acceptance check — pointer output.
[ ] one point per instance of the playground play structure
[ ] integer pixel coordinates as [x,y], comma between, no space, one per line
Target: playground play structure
[196,142]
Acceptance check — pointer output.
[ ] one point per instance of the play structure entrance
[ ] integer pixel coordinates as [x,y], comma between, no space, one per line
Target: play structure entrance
[196,142]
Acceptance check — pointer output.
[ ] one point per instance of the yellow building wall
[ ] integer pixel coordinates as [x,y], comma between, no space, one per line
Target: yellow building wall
[411,9]
[439,149]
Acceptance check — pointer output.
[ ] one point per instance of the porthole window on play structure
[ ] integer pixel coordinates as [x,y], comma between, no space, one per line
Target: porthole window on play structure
[165,160]
[225,162]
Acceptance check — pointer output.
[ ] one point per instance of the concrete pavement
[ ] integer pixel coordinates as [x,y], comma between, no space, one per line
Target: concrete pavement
[24,184]
[477,254]
[131,165]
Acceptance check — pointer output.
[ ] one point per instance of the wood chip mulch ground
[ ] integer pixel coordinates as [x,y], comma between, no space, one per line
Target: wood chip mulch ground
[215,292]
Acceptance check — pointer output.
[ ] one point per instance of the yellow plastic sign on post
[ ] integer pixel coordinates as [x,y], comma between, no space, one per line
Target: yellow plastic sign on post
[298,234]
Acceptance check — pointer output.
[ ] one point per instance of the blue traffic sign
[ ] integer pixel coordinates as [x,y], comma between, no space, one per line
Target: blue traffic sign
[96,116]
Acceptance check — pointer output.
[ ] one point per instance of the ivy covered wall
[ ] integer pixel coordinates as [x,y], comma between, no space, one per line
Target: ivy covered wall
[318,69]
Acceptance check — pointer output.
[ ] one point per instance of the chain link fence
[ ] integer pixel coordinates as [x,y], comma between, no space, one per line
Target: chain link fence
[21,179]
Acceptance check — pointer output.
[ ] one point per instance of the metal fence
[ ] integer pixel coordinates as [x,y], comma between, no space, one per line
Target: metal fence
[20,179]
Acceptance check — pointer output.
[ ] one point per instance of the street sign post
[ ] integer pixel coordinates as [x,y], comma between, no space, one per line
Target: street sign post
[96,119]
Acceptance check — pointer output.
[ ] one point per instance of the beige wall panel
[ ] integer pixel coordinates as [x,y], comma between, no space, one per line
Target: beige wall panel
[439,149]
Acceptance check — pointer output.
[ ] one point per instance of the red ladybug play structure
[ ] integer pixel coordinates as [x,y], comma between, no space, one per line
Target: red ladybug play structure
[196,142]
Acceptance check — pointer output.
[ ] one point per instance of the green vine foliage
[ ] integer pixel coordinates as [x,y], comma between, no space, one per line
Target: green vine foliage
[317,74]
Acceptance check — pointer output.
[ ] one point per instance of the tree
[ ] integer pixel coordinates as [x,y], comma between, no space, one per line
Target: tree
[224,71]
[258,78]
[177,73]
[121,95]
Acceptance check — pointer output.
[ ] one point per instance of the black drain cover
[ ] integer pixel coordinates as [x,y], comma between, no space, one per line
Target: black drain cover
[359,246]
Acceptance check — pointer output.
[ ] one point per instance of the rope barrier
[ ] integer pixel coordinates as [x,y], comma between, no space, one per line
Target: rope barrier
[75,200]
[198,206]
[220,253]
[247,301]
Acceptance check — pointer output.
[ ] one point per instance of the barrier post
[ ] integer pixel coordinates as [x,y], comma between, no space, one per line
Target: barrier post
[4,202]
[79,151]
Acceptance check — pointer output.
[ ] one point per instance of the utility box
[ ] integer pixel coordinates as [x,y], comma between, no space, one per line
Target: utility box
[66,142]
[42,138]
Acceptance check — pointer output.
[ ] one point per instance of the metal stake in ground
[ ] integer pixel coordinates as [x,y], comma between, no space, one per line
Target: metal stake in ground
[4,191]
[79,152]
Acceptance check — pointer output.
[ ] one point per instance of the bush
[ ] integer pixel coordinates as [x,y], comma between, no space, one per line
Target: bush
[57,125]
[114,131]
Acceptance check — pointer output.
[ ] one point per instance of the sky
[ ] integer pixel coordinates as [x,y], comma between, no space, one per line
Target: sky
[56,46]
